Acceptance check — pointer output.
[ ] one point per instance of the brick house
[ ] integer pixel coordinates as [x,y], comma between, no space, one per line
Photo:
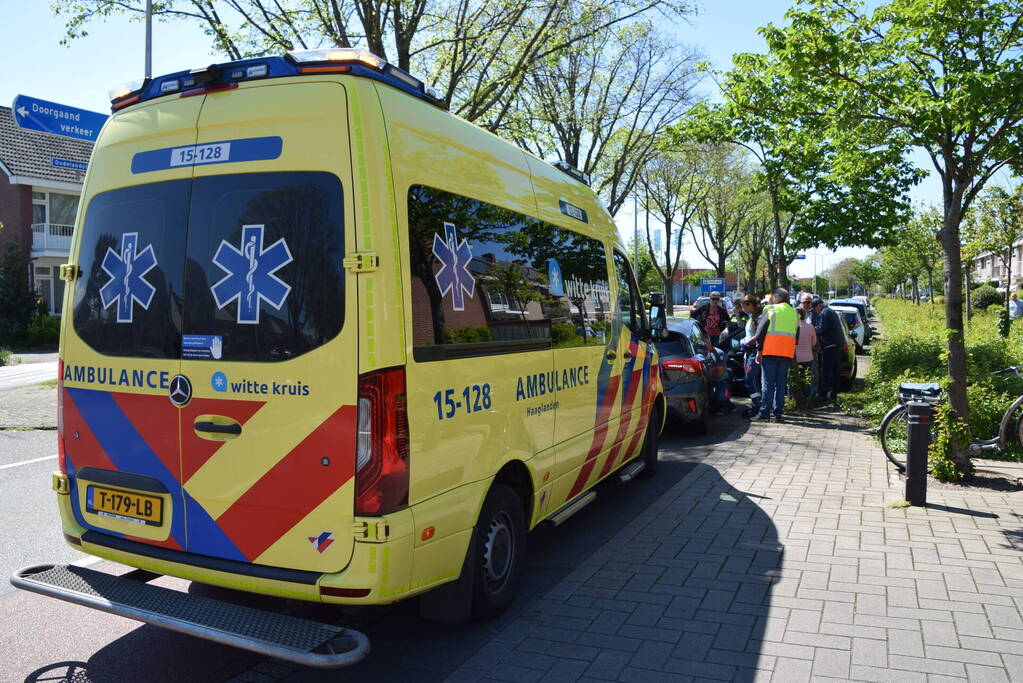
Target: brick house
[40,184]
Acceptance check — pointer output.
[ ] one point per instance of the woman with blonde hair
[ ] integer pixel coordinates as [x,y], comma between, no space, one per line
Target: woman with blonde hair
[753,310]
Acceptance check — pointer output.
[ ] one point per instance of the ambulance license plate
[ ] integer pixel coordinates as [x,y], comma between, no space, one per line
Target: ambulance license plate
[124,505]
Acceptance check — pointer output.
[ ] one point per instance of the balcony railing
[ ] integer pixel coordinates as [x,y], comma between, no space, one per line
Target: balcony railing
[51,238]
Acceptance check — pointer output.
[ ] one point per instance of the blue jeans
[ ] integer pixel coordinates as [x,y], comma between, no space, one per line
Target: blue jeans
[775,371]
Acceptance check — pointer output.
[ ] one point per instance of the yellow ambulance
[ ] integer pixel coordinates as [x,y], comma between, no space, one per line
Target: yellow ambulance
[324,340]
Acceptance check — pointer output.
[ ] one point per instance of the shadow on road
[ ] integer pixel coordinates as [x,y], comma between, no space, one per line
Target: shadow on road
[729,540]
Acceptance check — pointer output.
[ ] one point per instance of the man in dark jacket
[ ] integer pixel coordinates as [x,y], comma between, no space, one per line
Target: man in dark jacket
[831,339]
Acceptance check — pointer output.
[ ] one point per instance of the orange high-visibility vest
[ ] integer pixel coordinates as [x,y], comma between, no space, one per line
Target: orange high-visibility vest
[782,323]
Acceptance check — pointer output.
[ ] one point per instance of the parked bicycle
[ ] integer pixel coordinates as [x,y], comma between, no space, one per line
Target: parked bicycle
[894,429]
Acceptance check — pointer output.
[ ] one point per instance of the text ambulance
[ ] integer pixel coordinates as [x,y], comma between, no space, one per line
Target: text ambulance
[324,340]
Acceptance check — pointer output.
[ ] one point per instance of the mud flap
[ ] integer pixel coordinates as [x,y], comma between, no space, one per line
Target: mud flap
[452,602]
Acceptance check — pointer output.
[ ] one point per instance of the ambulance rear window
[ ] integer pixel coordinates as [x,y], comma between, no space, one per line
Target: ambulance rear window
[128,300]
[240,267]
[263,272]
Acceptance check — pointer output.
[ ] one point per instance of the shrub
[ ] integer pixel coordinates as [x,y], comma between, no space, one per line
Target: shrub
[563,334]
[985,296]
[469,335]
[913,351]
[5,356]
[43,331]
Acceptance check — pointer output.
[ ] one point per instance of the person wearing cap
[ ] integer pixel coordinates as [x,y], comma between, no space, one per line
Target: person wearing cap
[830,337]
[777,336]
[712,316]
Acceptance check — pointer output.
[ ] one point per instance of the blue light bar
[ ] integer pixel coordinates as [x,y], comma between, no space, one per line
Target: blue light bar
[259,68]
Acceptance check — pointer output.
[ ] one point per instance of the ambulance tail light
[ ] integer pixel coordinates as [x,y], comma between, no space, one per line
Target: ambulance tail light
[61,458]
[382,443]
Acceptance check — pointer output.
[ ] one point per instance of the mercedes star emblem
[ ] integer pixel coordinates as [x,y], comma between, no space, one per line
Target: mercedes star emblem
[180,390]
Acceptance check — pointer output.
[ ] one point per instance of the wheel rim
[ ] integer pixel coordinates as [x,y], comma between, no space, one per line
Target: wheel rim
[498,551]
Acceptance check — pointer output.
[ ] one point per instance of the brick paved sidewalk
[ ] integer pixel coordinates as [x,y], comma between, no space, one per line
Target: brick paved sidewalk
[778,559]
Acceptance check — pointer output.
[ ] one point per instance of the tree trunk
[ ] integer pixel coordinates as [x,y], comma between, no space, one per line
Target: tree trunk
[930,285]
[916,290]
[953,268]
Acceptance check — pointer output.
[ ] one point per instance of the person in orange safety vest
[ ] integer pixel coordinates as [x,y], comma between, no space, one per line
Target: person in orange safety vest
[777,334]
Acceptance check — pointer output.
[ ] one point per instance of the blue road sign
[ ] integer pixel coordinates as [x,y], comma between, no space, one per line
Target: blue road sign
[58,119]
[712,284]
[799,256]
[69,163]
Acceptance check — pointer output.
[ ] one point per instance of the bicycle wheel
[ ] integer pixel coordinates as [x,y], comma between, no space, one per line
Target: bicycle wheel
[894,432]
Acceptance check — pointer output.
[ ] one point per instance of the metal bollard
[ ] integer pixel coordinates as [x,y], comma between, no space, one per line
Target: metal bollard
[920,417]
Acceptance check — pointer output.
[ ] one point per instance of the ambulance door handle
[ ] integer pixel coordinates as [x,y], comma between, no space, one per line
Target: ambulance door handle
[611,355]
[214,428]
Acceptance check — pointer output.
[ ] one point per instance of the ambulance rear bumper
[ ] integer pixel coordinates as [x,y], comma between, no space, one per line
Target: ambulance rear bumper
[305,642]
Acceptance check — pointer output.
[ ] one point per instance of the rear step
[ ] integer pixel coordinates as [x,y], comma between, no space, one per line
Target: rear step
[304,642]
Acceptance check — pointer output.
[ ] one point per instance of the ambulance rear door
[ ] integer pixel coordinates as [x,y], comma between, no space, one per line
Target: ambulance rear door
[269,336]
[122,331]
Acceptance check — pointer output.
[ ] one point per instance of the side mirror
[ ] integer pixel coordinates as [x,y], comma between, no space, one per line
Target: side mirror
[658,316]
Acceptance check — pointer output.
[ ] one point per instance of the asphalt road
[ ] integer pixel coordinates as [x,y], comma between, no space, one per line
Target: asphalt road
[46,639]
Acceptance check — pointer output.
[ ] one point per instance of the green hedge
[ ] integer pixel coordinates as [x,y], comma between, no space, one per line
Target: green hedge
[912,350]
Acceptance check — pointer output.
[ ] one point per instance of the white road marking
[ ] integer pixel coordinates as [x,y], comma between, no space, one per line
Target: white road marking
[28,462]
[12,376]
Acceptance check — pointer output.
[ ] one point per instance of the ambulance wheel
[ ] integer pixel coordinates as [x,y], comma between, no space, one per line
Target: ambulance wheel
[650,444]
[500,552]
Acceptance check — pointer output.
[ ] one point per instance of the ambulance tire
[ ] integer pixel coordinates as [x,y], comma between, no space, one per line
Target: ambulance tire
[650,444]
[500,552]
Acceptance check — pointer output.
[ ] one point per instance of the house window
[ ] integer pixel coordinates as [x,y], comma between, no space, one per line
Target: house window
[55,208]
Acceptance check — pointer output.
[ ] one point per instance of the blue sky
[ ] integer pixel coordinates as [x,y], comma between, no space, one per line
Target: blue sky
[112,54]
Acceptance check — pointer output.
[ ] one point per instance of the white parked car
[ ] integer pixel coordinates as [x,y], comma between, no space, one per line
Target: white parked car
[857,328]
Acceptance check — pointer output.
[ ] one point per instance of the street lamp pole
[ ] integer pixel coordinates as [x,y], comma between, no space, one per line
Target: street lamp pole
[149,39]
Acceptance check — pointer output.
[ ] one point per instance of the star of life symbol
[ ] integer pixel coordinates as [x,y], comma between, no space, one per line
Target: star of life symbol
[454,275]
[250,274]
[127,282]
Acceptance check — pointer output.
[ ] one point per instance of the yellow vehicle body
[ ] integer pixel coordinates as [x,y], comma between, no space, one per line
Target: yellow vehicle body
[210,391]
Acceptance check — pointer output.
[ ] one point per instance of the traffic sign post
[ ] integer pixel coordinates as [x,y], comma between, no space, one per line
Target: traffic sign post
[712,284]
[57,119]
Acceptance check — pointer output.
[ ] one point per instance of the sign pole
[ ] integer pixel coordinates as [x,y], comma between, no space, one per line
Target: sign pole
[149,39]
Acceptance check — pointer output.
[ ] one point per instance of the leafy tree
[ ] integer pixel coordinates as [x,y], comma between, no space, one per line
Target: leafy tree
[1000,227]
[941,75]
[17,300]
[477,54]
[915,252]
[598,107]
[868,273]
[841,273]
[813,199]
[728,208]
[673,188]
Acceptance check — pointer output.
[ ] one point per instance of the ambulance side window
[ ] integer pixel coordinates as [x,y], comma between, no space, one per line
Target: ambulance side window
[630,305]
[487,280]
[581,307]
